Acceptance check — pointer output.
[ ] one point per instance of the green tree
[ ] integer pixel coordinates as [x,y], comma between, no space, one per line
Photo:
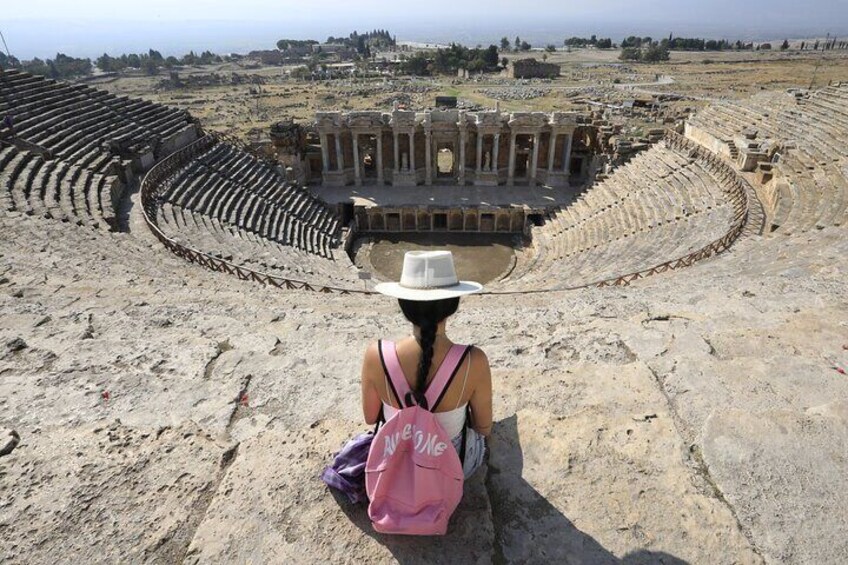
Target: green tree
[654,53]
[7,61]
[550,48]
[150,66]
[105,63]
[417,64]
[630,54]
[490,57]
[504,43]
[516,46]
[785,45]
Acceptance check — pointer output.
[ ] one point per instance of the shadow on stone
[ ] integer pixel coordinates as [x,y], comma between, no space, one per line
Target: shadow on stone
[502,519]
[470,536]
[528,528]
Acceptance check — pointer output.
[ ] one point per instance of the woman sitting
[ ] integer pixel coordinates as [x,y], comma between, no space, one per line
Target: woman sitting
[428,294]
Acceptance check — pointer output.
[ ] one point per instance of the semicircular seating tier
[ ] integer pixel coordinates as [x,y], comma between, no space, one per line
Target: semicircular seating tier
[226,203]
[73,150]
[796,142]
[665,204]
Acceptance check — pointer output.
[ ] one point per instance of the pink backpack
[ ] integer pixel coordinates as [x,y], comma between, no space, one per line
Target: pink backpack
[413,475]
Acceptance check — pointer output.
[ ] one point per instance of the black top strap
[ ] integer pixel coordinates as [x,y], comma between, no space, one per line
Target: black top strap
[388,377]
[450,380]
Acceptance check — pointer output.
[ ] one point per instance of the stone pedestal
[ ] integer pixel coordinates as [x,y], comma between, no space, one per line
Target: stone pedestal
[404,178]
[335,178]
[555,179]
[486,178]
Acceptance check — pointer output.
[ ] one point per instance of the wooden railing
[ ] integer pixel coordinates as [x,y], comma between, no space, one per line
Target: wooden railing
[738,193]
[151,186]
[736,188]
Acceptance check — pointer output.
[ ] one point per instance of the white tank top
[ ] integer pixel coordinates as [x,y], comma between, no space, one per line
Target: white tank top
[452,420]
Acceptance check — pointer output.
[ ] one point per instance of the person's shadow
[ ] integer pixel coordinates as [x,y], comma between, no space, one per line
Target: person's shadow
[520,526]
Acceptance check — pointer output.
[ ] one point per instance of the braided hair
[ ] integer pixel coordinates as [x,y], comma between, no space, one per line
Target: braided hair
[427,315]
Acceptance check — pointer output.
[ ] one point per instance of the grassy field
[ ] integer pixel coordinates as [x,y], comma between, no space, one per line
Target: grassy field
[247,109]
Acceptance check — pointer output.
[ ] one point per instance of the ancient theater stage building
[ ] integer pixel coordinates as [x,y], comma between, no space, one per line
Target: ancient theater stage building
[483,171]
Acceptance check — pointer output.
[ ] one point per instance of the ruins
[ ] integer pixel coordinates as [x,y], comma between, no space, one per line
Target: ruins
[406,148]
[184,317]
[532,68]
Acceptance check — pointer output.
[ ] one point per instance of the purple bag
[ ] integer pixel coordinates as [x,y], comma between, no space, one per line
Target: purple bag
[347,473]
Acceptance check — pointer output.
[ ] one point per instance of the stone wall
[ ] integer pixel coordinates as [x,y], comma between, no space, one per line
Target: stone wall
[531,68]
[489,148]
[440,219]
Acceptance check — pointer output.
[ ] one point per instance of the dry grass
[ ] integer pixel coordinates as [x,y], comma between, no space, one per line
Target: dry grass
[248,110]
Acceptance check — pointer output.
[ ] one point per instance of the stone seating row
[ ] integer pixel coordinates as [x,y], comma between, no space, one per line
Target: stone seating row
[811,134]
[265,183]
[632,253]
[220,198]
[43,108]
[56,189]
[258,177]
[806,199]
[813,190]
[664,204]
[72,121]
[643,195]
[92,125]
[245,248]
[246,193]
[727,119]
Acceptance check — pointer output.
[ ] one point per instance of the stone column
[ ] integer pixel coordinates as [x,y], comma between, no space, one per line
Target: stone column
[461,157]
[339,154]
[535,157]
[510,175]
[495,152]
[325,154]
[566,159]
[479,152]
[551,152]
[412,151]
[380,158]
[428,157]
[397,153]
[356,176]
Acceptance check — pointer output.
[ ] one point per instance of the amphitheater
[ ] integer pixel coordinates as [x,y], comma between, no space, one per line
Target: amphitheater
[182,328]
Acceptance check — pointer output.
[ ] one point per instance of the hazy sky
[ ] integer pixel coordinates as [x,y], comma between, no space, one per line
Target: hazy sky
[85,27]
[822,12]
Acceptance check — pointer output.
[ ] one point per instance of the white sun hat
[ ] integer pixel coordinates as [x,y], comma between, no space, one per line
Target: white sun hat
[428,275]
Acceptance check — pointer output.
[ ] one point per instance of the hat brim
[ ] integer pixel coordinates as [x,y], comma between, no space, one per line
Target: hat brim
[427,294]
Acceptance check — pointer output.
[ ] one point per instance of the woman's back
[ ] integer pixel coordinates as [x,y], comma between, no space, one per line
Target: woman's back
[471,384]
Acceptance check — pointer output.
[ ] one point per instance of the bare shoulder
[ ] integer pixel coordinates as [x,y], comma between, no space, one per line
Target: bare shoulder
[478,358]
[371,360]
[371,352]
[479,371]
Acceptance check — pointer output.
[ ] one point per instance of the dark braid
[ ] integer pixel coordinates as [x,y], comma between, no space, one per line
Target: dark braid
[427,315]
[428,339]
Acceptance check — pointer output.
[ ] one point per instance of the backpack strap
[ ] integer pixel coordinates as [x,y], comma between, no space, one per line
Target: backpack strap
[391,366]
[444,376]
[464,435]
